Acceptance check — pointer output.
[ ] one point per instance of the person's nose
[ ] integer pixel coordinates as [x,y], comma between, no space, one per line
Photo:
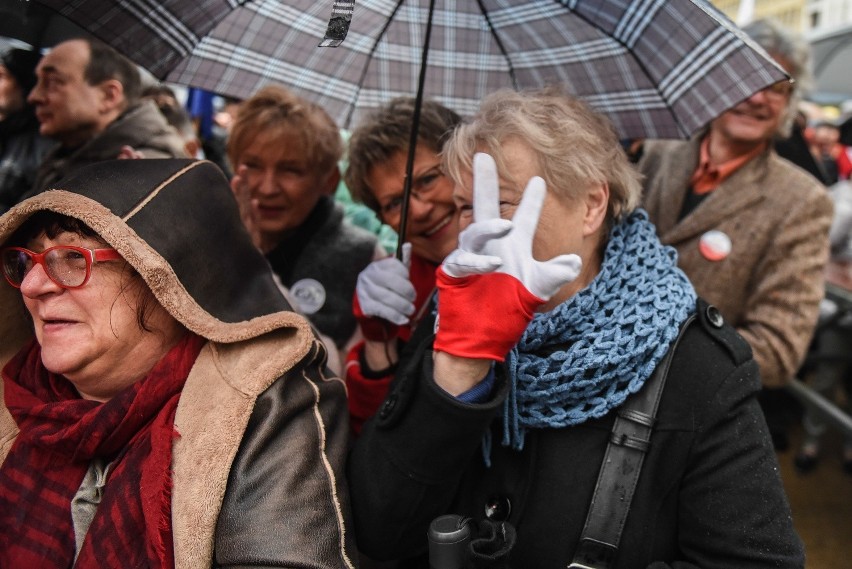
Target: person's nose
[418,207]
[758,97]
[268,185]
[34,97]
[36,283]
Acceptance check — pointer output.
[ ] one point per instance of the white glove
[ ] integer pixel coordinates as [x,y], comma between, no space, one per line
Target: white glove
[385,291]
[491,244]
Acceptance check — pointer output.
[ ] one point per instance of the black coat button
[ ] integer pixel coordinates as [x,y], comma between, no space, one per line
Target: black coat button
[714,317]
[387,407]
[498,508]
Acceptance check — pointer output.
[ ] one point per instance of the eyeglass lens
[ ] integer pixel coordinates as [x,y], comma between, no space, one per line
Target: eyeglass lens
[65,266]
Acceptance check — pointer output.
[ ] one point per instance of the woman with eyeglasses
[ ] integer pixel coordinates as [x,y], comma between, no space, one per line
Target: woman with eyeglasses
[614,422]
[393,296]
[163,405]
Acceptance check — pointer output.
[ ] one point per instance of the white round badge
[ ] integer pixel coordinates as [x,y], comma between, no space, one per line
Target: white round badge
[309,295]
[714,245]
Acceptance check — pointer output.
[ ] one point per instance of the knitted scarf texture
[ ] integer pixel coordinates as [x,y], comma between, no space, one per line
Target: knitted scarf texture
[583,358]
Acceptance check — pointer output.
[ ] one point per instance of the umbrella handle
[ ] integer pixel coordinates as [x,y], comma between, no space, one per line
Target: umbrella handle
[415,128]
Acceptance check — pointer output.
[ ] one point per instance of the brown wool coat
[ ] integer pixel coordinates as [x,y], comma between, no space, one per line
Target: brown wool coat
[777,217]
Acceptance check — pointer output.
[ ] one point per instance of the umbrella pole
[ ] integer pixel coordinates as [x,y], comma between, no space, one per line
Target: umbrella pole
[415,127]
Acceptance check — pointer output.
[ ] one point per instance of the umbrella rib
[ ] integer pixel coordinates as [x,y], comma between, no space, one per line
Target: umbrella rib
[500,45]
[830,55]
[639,63]
[369,58]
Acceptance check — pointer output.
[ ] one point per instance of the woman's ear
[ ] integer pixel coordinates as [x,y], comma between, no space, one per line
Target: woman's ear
[331,182]
[597,203]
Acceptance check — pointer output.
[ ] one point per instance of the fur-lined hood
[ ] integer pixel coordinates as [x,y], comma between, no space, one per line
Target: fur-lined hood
[176,222]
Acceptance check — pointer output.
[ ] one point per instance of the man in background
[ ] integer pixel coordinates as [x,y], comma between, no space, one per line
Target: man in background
[87,98]
[21,146]
[750,228]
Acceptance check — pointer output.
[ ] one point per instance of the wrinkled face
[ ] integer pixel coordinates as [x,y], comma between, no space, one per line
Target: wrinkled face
[284,181]
[563,225]
[11,97]
[432,218]
[68,108]
[757,119]
[91,334]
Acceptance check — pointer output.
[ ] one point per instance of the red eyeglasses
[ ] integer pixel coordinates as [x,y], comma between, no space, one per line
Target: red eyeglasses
[65,265]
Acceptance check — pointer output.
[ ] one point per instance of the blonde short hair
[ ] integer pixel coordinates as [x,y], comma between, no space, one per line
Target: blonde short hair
[273,109]
[576,147]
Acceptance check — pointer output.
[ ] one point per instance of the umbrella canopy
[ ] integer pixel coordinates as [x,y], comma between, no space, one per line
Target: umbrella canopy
[832,58]
[35,24]
[657,68]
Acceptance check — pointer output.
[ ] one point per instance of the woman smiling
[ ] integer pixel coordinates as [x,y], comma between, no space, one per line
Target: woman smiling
[164,407]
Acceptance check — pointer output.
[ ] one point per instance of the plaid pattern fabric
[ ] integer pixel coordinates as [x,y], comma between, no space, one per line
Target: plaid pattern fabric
[657,68]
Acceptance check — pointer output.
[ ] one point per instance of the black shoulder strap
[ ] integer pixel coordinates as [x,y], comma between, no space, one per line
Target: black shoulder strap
[619,473]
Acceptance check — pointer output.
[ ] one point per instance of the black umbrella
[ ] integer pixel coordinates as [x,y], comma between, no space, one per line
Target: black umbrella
[36,25]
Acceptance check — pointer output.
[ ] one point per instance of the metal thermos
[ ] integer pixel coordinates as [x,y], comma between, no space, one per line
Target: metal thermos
[449,537]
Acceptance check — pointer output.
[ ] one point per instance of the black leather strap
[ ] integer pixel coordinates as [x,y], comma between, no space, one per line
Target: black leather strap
[629,442]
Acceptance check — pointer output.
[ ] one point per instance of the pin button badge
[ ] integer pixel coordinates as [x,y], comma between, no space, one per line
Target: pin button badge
[714,245]
[309,295]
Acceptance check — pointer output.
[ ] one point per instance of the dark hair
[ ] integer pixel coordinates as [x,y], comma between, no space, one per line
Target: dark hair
[52,224]
[159,89]
[21,64]
[386,132]
[179,118]
[106,63]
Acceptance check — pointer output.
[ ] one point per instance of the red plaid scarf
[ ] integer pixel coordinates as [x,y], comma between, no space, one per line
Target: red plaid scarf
[60,434]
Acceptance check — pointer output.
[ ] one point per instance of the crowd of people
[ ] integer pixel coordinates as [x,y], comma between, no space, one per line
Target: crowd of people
[577,355]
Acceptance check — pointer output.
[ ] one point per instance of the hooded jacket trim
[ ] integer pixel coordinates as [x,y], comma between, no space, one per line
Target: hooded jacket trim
[156,190]
[220,391]
[154,269]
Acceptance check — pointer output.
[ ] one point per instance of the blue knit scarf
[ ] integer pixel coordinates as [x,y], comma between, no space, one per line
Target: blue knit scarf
[585,357]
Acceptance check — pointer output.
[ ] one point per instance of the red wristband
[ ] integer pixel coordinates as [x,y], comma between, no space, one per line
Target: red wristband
[482,316]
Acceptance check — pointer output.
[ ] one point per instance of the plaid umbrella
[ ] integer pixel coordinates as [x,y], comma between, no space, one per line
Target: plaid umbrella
[657,68]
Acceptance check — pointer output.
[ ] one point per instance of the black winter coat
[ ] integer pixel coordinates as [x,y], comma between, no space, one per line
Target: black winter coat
[709,495]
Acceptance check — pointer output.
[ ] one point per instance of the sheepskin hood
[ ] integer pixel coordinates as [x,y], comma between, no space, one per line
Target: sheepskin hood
[176,222]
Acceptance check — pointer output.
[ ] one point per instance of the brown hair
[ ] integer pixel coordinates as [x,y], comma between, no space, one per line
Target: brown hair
[388,131]
[106,63]
[274,107]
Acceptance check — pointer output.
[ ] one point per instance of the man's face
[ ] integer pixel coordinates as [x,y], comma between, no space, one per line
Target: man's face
[67,107]
[756,120]
[11,96]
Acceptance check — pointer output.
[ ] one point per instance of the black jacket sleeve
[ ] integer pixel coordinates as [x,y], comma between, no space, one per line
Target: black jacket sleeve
[398,485]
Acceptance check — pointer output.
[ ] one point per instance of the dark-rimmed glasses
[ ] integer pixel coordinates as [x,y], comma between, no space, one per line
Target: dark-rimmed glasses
[66,265]
[422,188]
[780,90]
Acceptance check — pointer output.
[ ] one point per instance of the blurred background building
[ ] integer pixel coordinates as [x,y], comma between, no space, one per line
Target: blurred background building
[806,16]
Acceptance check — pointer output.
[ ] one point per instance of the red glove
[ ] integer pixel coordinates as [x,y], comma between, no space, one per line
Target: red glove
[491,285]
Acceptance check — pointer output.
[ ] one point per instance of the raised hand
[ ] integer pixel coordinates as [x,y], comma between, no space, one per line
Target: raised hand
[246,204]
[385,296]
[491,285]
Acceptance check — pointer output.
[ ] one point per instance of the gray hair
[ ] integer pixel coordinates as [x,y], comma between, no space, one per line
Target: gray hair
[782,43]
[574,145]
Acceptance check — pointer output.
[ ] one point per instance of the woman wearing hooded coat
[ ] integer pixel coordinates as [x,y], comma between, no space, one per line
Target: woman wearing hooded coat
[164,407]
